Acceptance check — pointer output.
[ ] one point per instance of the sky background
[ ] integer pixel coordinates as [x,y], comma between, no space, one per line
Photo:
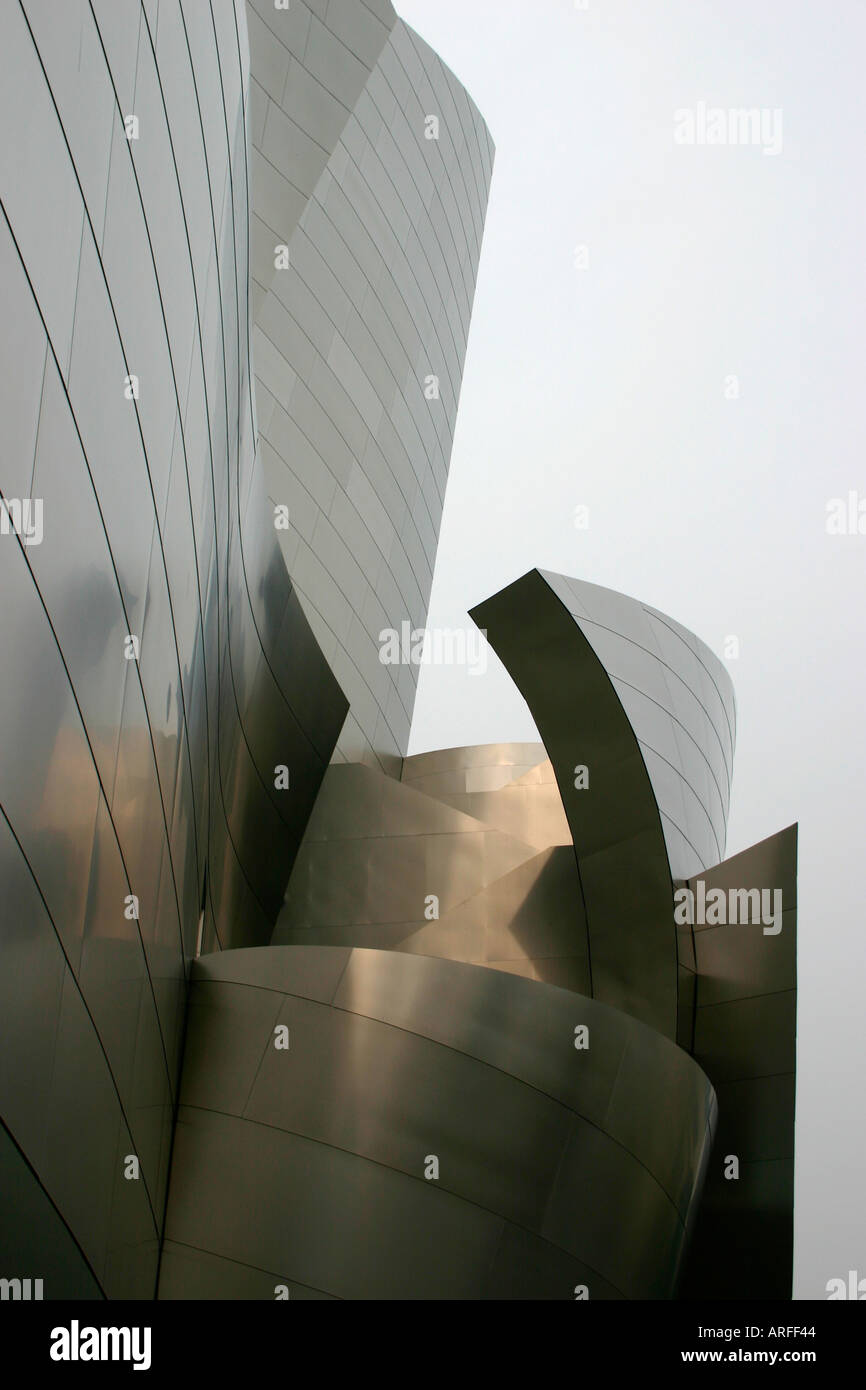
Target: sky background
[605,387]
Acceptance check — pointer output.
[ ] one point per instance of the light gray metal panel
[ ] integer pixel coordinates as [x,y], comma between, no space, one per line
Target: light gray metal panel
[376,247]
[658,668]
[37,206]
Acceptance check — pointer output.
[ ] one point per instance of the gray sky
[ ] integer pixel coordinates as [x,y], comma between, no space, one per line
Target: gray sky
[608,387]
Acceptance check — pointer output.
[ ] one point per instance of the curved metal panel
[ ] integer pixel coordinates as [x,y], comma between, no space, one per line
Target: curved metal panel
[162,664]
[387,866]
[509,785]
[745,1040]
[367,224]
[316,178]
[679,700]
[625,879]
[314,1160]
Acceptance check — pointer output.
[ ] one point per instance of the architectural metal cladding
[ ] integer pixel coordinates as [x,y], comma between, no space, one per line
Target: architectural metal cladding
[679,700]
[385,864]
[625,890]
[371,168]
[745,1026]
[159,664]
[366,1124]
[509,785]
[625,699]
[283,1011]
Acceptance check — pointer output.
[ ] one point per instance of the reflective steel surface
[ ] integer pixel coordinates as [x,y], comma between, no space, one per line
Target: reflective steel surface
[387,866]
[360,326]
[240,932]
[159,664]
[679,700]
[308,1163]
[626,893]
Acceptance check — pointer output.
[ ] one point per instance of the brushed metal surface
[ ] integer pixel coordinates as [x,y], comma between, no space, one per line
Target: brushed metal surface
[312,1162]
[127,777]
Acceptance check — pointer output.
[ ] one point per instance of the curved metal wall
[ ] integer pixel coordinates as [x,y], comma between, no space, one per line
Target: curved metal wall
[507,895]
[383,245]
[127,768]
[509,785]
[164,679]
[679,700]
[309,1166]
[309,65]
[625,891]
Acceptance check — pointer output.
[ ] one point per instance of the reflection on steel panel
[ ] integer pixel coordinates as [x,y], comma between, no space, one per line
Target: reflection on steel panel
[427,1125]
[366,237]
[377,851]
[625,879]
[163,664]
[429,1129]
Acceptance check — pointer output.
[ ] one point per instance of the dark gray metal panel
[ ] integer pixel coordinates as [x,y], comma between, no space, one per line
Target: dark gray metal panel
[195,1274]
[328,1219]
[625,1197]
[745,1027]
[228,1034]
[38,1244]
[528,1267]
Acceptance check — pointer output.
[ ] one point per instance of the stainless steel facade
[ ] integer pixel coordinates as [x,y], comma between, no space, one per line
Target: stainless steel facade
[745,1039]
[679,699]
[238,245]
[371,167]
[621,689]
[625,893]
[581,892]
[159,665]
[310,1167]
[386,865]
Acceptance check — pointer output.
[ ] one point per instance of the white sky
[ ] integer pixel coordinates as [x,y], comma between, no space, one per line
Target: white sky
[606,387]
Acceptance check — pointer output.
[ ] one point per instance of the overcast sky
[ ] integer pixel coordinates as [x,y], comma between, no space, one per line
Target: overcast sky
[611,387]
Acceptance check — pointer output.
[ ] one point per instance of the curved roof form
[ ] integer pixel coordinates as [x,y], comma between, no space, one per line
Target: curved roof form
[608,796]
[679,700]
